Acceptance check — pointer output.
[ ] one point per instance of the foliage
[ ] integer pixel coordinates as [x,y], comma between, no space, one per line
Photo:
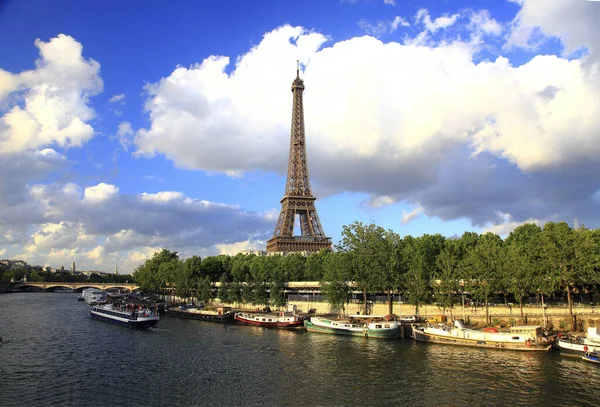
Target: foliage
[204,291]
[334,284]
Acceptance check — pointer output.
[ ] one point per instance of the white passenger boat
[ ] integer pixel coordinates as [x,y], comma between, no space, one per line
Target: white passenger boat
[590,343]
[131,317]
[527,338]
[356,325]
[93,296]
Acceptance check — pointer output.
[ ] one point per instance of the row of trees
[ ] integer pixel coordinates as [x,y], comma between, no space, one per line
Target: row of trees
[370,259]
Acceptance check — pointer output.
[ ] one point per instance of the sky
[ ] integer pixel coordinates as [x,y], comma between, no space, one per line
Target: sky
[126,127]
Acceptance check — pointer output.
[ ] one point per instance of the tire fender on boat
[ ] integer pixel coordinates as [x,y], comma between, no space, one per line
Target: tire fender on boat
[585,348]
[528,343]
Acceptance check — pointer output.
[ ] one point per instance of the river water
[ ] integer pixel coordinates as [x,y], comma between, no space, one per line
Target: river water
[54,354]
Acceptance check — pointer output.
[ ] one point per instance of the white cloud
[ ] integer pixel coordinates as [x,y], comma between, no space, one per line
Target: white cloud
[101,227]
[117,98]
[164,196]
[125,135]
[409,99]
[439,23]
[388,119]
[508,225]
[397,22]
[573,22]
[234,248]
[482,22]
[379,201]
[55,99]
[100,193]
[410,216]
[380,27]
[389,2]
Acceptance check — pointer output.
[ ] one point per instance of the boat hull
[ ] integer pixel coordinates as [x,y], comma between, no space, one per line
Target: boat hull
[228,317]
[487,344]
[574,346]
[145,324]
[391,333]
[296,323]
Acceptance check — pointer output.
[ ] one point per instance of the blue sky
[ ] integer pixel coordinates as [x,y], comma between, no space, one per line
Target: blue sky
[130,126]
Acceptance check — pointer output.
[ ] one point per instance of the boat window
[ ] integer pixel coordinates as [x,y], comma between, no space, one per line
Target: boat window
[515,338]
[263,319]
[270,320]
[378,326]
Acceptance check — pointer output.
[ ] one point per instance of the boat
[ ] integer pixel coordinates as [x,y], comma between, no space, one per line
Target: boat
[129,316]
[591,357]
[282,319]
[525,338]
[356,325]
[94,296]
[215,314]
[576,344]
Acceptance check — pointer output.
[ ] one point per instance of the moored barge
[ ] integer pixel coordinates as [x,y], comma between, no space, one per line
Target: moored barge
[215,314]
[591,343]
[284,319]
[355,325]
[524,338]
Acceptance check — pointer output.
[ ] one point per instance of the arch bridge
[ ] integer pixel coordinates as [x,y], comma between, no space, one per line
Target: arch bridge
[75,286]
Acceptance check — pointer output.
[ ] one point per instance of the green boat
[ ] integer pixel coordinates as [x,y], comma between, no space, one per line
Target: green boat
[355,325]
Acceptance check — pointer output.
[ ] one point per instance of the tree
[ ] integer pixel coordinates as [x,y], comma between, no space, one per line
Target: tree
[521,261]
[314,265]
[276,293]
[369,257]
[224,289]
[485,265]
[188,276]
[420,255]
[294,266]
[149,276]
[334,285]
[204,291]
[569,257]
[445,282]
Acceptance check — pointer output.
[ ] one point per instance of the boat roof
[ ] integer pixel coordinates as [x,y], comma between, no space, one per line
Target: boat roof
[525,327]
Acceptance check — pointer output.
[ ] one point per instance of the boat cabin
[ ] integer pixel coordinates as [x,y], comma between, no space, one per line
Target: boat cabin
[532,332]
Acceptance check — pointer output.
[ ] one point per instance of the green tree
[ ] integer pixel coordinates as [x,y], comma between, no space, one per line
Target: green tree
[149,276]
[314,265]
[187,276]
[446,283]
[204,292]
[224,289]
[570,257]
[521,262]
[485,263]
[334,284]
[421,254]
[369,257]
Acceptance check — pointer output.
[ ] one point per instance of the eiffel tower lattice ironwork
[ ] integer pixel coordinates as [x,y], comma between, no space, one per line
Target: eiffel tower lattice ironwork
[298,198]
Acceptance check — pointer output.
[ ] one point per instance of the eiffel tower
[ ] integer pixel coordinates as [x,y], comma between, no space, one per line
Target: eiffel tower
[298,198]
